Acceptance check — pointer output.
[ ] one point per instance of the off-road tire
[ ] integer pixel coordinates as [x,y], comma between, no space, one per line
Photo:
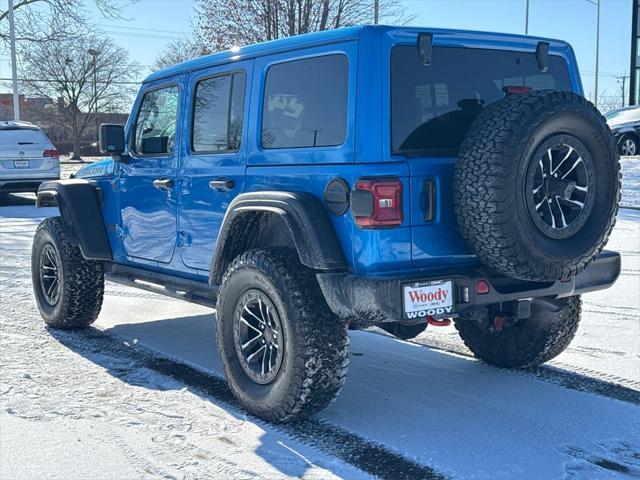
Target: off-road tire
[403,332]
[529,342]
[489,196]
[81,281]
[316,341]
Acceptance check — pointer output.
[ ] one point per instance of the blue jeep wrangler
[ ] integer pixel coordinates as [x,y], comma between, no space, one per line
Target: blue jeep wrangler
[371,175]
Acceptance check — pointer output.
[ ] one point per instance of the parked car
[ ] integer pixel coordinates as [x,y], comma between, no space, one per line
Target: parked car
[27,158]
[374,175]
[625,125]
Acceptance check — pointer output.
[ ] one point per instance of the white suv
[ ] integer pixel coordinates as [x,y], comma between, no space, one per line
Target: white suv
[27,158]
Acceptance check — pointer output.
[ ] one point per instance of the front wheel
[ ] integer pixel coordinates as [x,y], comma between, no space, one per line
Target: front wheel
[68,288]
[284,352]
[527,343]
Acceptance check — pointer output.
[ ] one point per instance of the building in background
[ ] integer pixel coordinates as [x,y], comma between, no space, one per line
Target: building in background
[39,110]
[634,85]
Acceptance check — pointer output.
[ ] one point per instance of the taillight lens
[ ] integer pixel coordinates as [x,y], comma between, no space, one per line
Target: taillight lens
[51,153]
[386,210]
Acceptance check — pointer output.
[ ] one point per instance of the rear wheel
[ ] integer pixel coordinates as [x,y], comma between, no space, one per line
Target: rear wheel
[528,342]
[284,352]
[68,289]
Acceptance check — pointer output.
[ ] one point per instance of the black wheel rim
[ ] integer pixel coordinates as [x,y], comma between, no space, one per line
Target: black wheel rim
[560,186]
[50,274]
[258,337]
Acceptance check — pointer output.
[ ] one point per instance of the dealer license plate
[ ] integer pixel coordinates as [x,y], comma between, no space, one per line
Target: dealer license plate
[430,298]
[21,163]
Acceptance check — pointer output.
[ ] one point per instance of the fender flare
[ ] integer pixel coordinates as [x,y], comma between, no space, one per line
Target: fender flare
[306,219]
[80,205]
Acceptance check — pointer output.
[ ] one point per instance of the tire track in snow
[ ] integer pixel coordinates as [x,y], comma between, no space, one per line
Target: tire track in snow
[370,457]
[580,378]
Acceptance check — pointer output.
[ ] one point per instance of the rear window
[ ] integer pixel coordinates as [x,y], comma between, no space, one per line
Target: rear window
[305,103]
[17,138]
[432,107]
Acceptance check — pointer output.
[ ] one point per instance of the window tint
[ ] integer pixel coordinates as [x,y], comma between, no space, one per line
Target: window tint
[155,131]
[217,114]
[305,103]
[433,107]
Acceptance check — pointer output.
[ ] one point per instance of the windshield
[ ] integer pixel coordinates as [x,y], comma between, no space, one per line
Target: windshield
[432,107]
[19,138]
[623,116]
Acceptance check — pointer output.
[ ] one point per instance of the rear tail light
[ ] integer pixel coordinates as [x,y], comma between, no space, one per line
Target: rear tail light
[482,287]
[377,202]
[51,153]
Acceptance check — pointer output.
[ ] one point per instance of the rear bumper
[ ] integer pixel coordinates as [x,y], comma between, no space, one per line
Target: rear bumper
[26,184]
[379,299]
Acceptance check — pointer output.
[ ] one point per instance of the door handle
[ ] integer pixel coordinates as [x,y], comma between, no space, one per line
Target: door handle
[222,184]
[165,184]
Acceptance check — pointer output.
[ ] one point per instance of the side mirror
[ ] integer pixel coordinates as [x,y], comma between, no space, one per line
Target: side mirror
[111,139]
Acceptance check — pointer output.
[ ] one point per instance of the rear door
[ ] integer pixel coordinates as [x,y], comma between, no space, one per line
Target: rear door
[213,165]
[148,202]
[432,107]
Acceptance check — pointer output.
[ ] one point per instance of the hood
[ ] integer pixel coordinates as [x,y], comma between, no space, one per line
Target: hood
[100,168]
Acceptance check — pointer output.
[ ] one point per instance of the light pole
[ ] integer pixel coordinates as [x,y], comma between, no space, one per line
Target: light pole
[526,18]
[14,66]
[94,53]
[597,4]
[376,11]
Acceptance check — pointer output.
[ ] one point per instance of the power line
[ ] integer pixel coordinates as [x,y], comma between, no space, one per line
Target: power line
[42,80]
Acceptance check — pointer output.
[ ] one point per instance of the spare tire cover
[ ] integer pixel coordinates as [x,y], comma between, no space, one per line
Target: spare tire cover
[537,185]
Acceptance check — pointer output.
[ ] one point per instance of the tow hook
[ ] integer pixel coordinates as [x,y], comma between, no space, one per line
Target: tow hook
[445,322]
[498,324]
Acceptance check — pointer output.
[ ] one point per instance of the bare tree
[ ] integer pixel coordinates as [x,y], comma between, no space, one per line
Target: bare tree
[222,24]
[179,51]
[47,20]
[226,23]
[63,71]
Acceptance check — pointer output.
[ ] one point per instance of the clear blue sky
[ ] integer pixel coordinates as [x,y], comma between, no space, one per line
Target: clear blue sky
[151,24]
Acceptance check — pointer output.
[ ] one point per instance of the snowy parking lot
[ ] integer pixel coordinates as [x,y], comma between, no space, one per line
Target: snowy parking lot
[140,395]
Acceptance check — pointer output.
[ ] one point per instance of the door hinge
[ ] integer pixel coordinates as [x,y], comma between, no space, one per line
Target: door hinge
[183,240]
[184,185]
[122,231]
[119,185]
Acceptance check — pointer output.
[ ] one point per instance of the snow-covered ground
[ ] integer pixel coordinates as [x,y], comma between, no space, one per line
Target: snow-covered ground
[630,181]
[140,395]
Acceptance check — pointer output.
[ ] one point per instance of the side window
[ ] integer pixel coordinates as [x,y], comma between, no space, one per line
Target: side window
[217,113]
[305,103]
[155,130]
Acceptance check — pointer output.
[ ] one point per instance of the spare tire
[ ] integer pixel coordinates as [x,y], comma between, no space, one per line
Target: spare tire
[537,185]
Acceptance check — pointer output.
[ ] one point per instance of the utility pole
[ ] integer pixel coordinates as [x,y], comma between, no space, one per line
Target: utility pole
[597,50]
[14,66]
[376,11]
[622,80]
[526,19]
[94,53]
